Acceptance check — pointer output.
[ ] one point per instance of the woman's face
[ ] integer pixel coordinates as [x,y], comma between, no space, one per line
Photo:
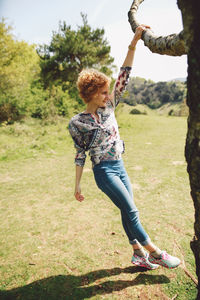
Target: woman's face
[101,97]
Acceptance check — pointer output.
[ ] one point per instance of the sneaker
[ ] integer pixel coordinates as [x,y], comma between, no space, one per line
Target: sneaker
[165,260]
[143,261]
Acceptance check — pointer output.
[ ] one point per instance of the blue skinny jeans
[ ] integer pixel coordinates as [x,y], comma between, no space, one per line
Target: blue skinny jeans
[111,177]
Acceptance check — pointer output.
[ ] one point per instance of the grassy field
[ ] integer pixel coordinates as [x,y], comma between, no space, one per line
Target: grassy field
[53,247]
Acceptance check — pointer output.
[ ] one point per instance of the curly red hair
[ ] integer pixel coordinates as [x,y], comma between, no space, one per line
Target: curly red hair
[89,82]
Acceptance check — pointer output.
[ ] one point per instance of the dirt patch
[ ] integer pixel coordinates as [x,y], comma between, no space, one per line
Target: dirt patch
[136,186]
[86,170]
[4,179]
[154,180]
[178,163]
[137,168]
[155,293]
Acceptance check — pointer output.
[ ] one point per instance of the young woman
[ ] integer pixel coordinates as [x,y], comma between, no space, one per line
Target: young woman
[96,130]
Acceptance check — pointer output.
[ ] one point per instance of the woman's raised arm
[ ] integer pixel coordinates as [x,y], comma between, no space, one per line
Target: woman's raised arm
[123,76]
[128,62]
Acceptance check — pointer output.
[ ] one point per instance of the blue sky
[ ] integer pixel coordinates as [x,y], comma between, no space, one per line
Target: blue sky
[34,21]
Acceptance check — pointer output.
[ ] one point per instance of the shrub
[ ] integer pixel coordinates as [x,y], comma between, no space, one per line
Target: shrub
[171,112]
[9,113]
[136,111]
[50,102]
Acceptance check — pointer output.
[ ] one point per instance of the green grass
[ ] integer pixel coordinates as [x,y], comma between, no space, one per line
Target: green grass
[53,247]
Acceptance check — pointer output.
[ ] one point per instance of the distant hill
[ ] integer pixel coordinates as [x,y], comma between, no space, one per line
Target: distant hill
[154,94]
[182,79]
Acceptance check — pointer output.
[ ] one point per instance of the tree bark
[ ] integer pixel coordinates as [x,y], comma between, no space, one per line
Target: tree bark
[190,14]
[173,44]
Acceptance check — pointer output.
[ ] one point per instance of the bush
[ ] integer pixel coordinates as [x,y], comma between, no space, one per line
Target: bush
[171,112]
[12,108]
[8,113]
[19,66]
[50,102]
[136,111]
[38,102]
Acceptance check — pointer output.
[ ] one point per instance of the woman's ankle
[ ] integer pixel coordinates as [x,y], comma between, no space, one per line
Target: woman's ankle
[140,252]
[151,247]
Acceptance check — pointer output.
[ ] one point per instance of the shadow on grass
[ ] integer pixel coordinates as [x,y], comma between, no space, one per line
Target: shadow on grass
[71,287]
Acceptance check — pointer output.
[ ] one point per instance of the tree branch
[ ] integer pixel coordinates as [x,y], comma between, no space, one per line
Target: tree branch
[173,44]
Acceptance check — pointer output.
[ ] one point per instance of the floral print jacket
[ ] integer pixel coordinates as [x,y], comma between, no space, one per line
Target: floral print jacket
[101,138]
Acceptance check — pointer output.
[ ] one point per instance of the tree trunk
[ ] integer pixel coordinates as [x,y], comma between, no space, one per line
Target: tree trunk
[190,14]
[173,44]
